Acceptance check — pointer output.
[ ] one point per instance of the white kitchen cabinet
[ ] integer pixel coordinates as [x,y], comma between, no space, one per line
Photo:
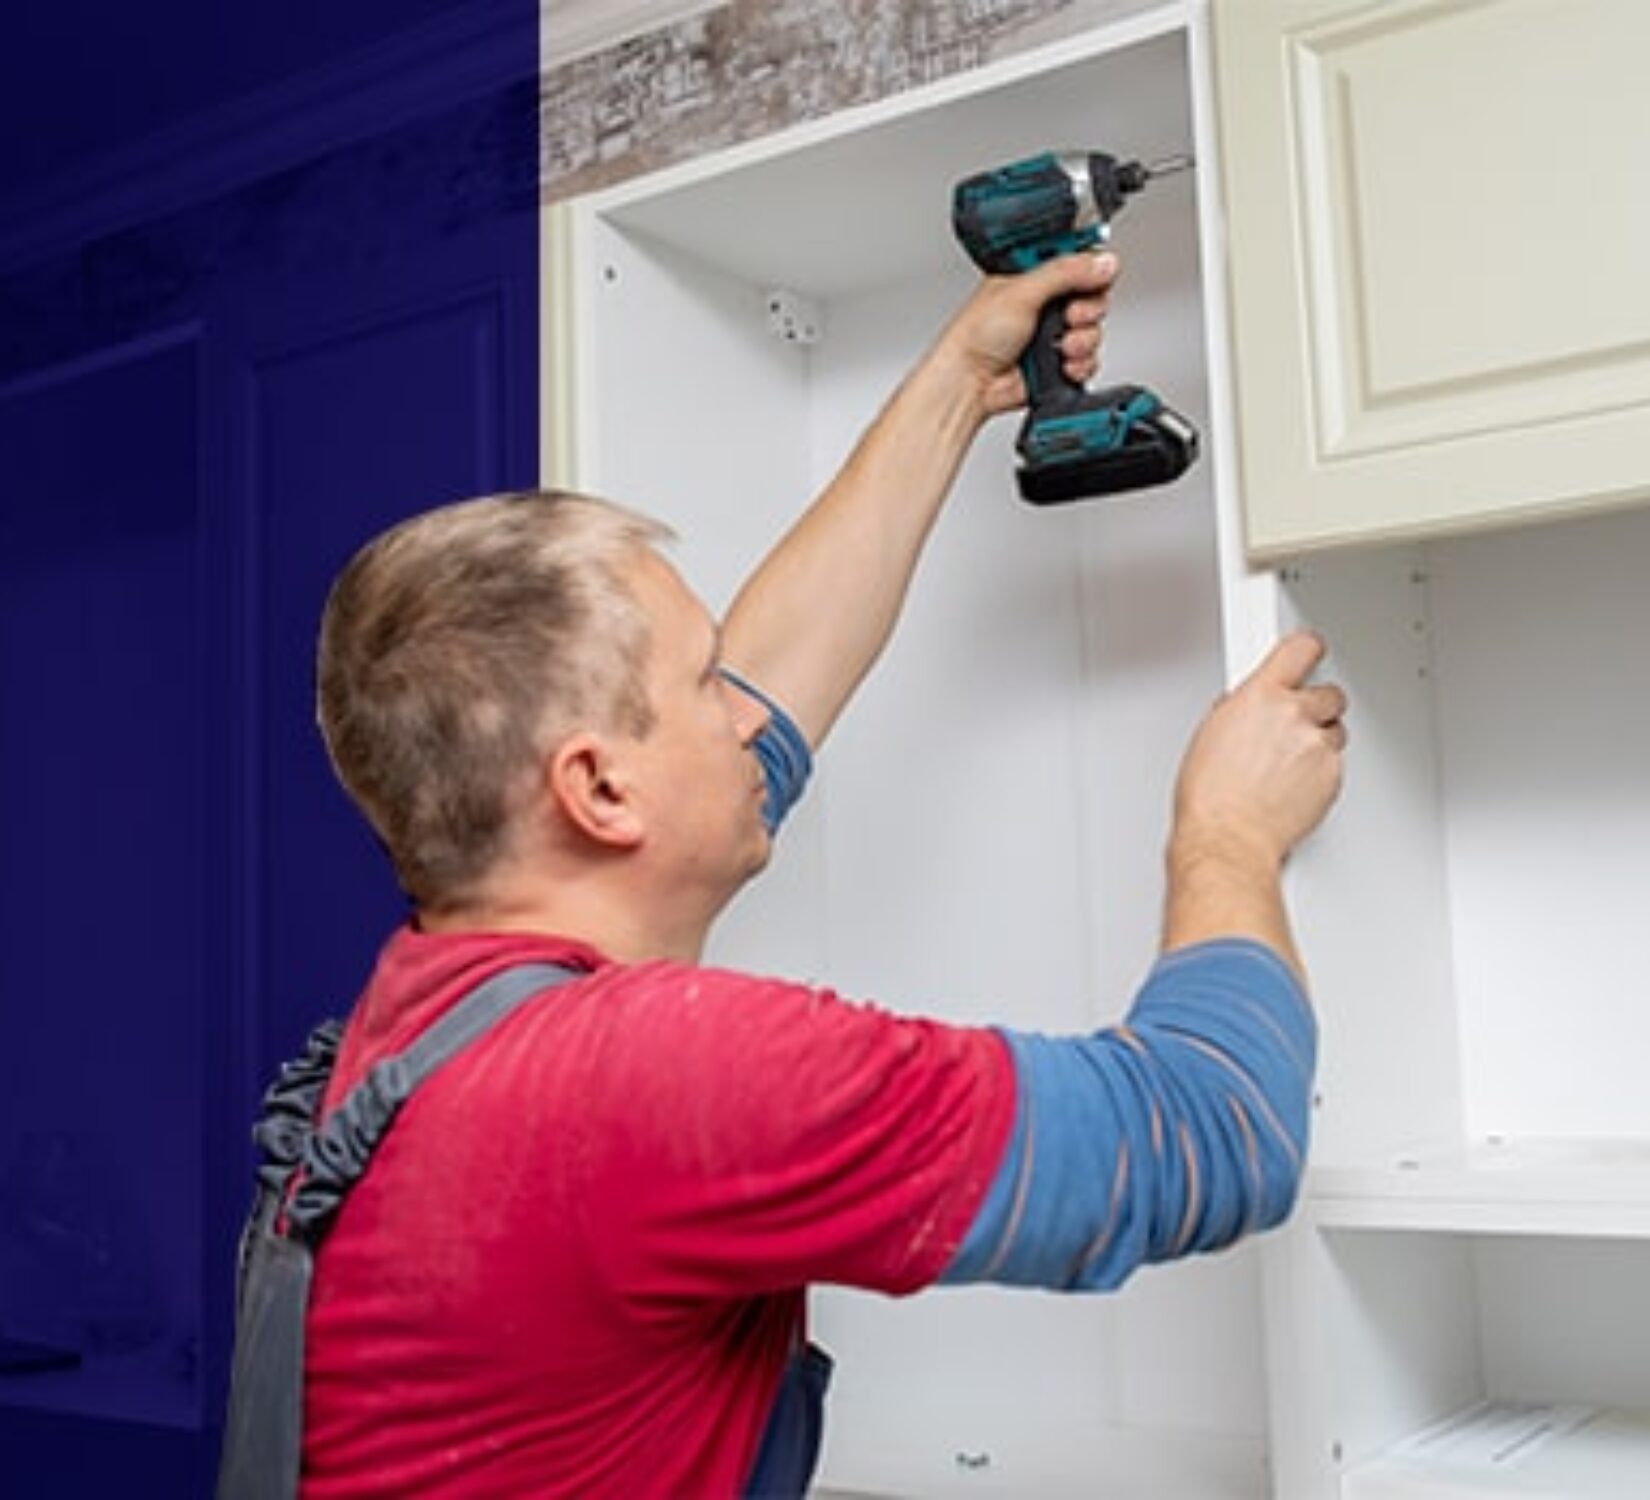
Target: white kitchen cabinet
[983,838]
[1482,1151]
[1437,252]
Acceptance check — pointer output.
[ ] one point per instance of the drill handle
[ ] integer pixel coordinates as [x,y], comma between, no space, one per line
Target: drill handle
[1046,382]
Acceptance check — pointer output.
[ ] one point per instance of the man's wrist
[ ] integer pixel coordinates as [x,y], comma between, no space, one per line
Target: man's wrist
[1225,850]
[1224,881]
[947,376]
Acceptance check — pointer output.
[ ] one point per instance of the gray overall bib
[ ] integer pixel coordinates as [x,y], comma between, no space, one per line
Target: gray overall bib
[263,1431]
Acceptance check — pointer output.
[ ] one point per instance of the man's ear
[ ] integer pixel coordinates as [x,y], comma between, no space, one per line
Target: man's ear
[590,787]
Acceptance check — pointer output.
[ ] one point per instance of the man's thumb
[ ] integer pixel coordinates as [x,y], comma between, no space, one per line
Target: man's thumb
[1292,660]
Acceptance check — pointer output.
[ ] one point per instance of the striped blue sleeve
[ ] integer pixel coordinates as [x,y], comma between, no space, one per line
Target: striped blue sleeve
[1175,1132]
[787,762]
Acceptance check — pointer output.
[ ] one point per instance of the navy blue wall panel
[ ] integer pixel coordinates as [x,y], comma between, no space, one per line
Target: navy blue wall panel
[202,413]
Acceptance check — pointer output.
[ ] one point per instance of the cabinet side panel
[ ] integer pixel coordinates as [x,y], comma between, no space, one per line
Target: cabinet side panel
[1370,897]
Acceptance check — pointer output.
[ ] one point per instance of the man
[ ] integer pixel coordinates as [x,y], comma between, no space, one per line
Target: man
[577,1264]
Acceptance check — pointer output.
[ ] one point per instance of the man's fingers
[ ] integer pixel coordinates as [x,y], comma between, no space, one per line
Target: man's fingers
[1081,275]
[1289,664]
[1087,312]
[1325,703]
[1080,343]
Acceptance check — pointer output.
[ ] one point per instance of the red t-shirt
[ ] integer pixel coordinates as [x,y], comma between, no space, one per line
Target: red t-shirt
[576,1264]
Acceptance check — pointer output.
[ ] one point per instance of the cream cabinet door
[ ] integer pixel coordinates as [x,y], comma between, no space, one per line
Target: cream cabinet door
[1439,239]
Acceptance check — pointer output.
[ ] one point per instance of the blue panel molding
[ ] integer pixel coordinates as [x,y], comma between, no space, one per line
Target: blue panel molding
[418,72]
[357,206]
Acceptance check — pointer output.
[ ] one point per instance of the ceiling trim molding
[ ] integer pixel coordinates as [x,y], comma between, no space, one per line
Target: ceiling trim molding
[576,28]
[420,72]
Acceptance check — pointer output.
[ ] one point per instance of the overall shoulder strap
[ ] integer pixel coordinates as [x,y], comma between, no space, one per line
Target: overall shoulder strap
[262,1448]
[337,1152]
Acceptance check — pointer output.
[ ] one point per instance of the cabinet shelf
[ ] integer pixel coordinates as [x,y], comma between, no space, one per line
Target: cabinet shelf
[1514,1449]
[760,211]
[1497,1185]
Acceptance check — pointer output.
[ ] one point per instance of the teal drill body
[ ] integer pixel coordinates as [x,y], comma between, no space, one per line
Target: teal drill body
[1074,443]
[1017,217]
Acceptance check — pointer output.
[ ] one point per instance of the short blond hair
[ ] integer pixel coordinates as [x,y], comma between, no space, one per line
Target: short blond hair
[457,649]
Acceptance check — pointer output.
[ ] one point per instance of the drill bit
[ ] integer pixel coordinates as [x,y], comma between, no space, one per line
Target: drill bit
[1167,166]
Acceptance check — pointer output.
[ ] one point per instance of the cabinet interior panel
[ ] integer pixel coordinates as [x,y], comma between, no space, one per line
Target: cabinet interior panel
[1543,711]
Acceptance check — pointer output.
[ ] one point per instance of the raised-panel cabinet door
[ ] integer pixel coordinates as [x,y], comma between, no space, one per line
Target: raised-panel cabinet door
[350,417]
[105,851]
[1437,244]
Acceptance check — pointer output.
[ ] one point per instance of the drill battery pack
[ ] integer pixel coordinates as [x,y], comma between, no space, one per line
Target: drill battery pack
[1112,441]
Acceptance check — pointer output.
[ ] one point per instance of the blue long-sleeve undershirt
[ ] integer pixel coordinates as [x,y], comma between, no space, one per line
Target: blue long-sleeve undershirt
[787,762]
[1175,1132]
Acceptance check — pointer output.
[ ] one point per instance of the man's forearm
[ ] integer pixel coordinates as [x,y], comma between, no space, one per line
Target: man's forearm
[817,613]
[812,619]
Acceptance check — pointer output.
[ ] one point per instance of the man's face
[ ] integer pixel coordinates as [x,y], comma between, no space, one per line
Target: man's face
[703,785]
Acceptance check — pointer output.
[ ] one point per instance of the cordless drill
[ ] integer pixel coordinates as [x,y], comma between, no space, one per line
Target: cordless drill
[1073,443]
